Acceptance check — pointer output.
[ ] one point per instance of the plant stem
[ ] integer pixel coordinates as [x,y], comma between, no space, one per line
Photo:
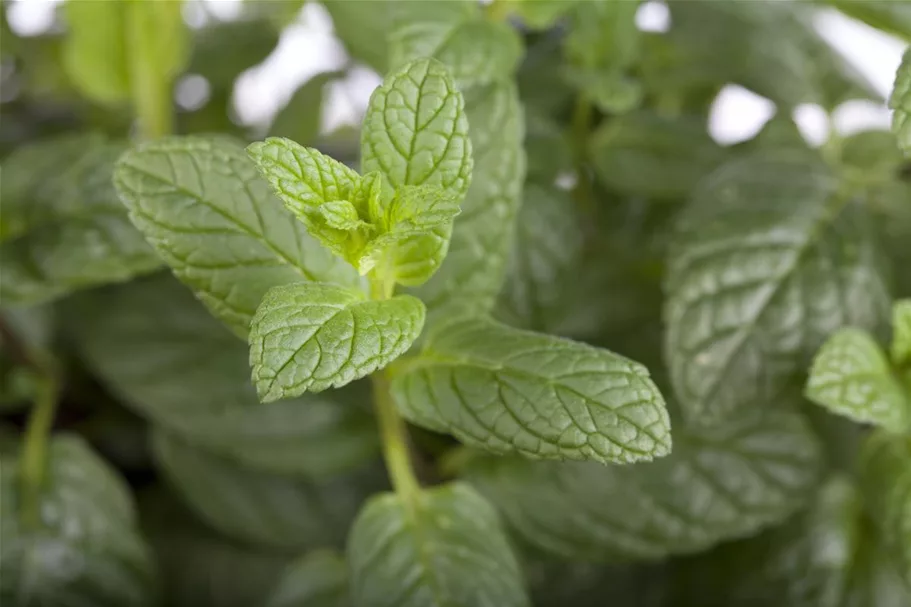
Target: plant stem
[33,465]
[151,89]
[395,440]
[582,116]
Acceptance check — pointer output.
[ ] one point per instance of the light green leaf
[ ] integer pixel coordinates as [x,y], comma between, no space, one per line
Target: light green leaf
[476,50]
[472,274]
[512,391]
[715,486]
[851,376]
[900,103]
[86,548]
[106,42]
[319,579]
[263,509]
[442,548]
[416,133]
[645,154]
[161,353]
[201,569]
[609,90]
[201,204]
[305,180]
[341,215]
[768,260]
[546,256]
[827,556]
[901,333]
[63,227]
[885,478]
[307,337]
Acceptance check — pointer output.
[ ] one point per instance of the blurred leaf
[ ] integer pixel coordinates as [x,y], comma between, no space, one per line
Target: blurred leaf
[300,120]
[85,548]
[892,16]
[562,584]
[222,50]
[201,569]
[63,227]
[885,479]
[161,352]
[362,28]
[645,154]
[725,42]
[714,486]
[319,579]
[262,508]
[825,557]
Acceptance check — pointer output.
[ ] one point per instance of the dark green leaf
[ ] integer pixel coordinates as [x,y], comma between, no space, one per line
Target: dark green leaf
[319,579]
[63,227]
[885,478]
[645,154]
[85,549]
[472,274]
[442,547]
[300,119]
[769,258]
[828,556]
[715,486]
[261,508]
[900,103]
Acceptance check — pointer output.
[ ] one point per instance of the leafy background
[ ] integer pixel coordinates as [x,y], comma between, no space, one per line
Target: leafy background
[242,503]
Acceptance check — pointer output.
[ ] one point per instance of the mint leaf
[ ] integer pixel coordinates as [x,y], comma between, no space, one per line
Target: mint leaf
[362,27]
[202,206]
[443,548]
[309,337]
[767,261]
[63,228]
[541,14]
[851,376]
[645,154]
[301,119]
[319,579]
[264,509]
[328,197]
[87,548]
[512,391]
[900,103]
[475,49]
[885,478]
[827,556]
[901,333]
[472,274]
[163,355]
[716,485]
[416,133]
[546,255]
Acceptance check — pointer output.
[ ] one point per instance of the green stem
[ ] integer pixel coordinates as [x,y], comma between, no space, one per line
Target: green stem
[394,435]
[33,469]
[151,90]
[581,122]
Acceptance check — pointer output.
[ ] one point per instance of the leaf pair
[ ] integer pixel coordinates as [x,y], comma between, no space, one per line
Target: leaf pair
[355,217]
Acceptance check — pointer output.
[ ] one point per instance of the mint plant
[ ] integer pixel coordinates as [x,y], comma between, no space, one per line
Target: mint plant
[523,334]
